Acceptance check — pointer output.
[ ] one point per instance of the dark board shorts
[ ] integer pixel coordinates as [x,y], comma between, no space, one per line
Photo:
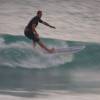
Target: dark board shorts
[29,34]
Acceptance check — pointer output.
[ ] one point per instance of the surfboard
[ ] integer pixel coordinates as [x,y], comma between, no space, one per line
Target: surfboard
[68,50]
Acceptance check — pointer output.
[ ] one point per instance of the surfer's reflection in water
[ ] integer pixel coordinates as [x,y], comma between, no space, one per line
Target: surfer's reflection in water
[31,33]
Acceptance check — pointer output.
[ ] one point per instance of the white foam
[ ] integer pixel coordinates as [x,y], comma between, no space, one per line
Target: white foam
[34,57]
[43,60]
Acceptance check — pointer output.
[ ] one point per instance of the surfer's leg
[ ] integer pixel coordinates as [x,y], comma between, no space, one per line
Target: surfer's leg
[36,39]
[45,48]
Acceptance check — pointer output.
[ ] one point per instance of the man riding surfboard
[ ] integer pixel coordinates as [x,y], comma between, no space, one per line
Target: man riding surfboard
[31,33]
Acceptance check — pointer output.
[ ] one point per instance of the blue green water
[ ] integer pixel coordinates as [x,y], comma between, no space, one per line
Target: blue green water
[26,68]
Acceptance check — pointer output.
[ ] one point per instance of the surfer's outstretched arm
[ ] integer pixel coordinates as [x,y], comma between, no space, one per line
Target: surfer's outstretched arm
[45,48]
[45,23]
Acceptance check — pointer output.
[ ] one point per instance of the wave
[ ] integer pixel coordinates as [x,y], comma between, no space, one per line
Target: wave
[26,68]
[17,51]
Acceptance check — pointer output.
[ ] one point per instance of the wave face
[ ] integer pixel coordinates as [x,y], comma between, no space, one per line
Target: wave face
[29,68]
[17,51]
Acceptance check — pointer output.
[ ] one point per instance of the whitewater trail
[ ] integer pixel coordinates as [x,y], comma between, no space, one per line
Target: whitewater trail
[21,53]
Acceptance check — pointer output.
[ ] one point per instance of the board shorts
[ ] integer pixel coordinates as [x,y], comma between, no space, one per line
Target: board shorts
[31,35]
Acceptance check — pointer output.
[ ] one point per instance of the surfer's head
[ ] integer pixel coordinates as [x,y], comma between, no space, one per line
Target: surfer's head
[39,13]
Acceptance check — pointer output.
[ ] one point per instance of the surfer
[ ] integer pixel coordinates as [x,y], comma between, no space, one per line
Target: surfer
[31,33]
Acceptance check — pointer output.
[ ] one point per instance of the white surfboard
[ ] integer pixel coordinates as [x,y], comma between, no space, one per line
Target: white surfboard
[68,50]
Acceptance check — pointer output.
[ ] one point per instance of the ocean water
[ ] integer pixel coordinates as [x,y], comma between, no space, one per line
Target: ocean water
[26,72]
[30,74]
